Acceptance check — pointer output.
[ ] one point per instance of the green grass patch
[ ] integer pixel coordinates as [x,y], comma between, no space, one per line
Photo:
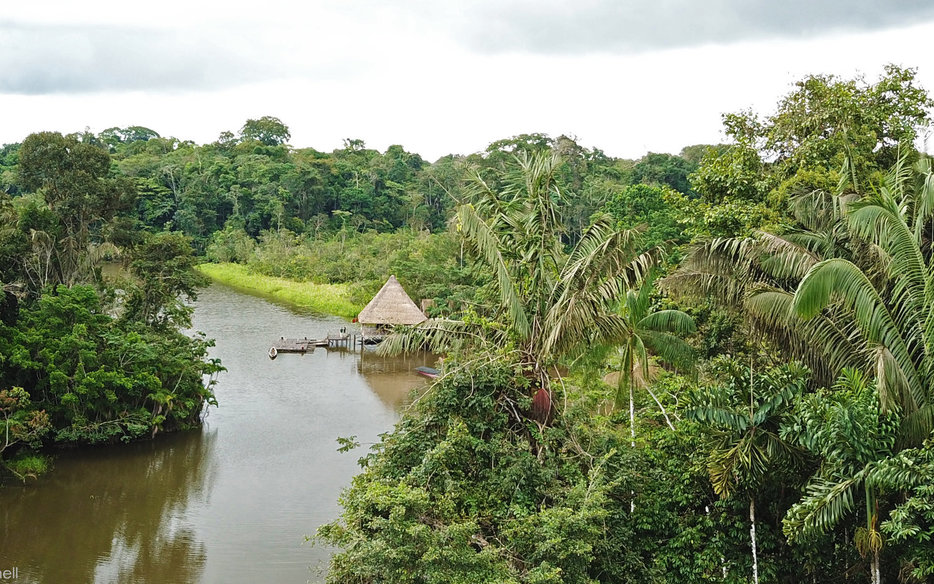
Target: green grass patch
[323,298]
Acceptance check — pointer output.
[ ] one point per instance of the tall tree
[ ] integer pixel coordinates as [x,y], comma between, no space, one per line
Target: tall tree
[549,302]
[855,291]
[850,434]
[889,301]
[824,121]
[71,177]
[664,170]
[163,266]
[660,209]
[649,332]
[852,289]
[267,130]
[744,416]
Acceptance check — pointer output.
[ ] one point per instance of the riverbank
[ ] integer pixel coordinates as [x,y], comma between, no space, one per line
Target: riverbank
[333,299]
[232,501]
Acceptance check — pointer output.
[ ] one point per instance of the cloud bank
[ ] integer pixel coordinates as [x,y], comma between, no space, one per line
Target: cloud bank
[253,43]
[48,59]
[615,26]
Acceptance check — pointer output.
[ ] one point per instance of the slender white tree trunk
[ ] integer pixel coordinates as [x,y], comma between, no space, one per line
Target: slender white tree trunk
[722,559]
[632,435]
[632,419]
[662,408]
[876,572]
[752,537]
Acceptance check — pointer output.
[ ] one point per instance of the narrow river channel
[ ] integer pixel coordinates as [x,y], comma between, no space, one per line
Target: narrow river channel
[233,501]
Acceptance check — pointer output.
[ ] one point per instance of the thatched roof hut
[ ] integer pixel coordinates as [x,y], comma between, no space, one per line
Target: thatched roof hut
[390,306]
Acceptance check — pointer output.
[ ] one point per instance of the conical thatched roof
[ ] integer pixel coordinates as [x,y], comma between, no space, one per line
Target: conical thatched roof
[391,305]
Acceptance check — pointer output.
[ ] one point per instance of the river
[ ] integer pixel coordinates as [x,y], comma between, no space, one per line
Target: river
[233,500]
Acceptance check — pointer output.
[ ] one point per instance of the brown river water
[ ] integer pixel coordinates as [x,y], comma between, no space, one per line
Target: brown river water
[233,501]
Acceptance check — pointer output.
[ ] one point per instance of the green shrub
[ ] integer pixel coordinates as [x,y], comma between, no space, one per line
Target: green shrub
[28,465]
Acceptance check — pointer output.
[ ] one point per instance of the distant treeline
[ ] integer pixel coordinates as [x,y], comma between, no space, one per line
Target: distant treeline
[257,182]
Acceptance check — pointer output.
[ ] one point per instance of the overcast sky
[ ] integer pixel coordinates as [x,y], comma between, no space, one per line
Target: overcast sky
[627,76]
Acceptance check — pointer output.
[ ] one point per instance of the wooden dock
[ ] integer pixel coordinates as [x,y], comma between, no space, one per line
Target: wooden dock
[340,340]
[284,345]
[306,345]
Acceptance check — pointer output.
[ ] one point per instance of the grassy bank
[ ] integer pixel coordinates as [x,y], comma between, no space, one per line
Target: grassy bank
[325,298]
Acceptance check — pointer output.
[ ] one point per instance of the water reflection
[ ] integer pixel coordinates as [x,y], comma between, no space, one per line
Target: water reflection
[392,378]
[112,515]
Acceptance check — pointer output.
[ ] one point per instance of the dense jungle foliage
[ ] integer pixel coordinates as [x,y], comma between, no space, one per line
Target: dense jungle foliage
[84,360]
[711,366]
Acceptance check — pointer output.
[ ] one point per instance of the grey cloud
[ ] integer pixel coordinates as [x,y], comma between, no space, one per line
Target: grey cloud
[39,59]
[628,26]
[42,59]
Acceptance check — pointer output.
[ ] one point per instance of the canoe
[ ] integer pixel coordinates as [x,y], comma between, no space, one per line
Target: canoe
[429,372]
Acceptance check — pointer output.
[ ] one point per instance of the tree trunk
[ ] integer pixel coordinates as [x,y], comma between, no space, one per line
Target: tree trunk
[632,432]
[752,537]
[722,559]
[632,418]
[661,407]
[876,572]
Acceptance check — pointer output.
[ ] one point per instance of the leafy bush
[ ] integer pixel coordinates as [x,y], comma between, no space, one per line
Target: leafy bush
[100,379]
[461,491]
[28,465]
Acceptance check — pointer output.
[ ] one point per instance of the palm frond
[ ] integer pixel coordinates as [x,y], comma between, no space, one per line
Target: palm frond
[899,176]
[879,221]
[722,465]
[600,270]
[669,349]
[825,343]
[668,321]
[895,390]
[897,473]
[924,203]
[488,246]
[638,302]
[720,267]
[782,258]
[848,172]
[919,424]
[825,503]
[435,335]
[838,278]
[718,415]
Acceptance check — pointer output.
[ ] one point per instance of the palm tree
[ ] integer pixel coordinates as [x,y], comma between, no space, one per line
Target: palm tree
[847,429]
[550,303]
[757,277]
[856,291]
[853,288]
[743,417]
[649,332]
[889,302]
